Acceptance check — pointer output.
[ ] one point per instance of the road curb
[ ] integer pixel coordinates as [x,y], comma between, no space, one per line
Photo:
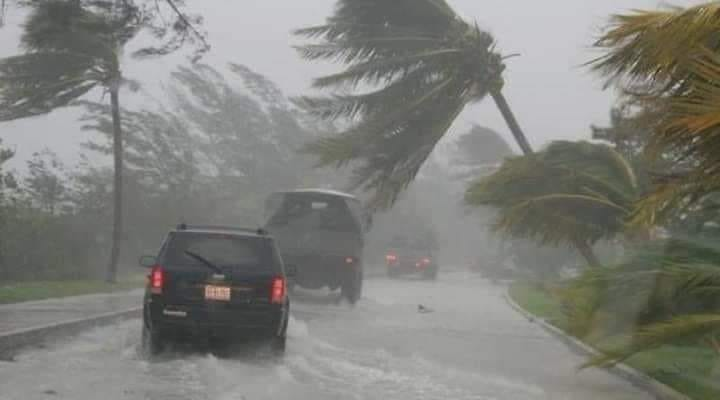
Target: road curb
[634,376]
[14,341]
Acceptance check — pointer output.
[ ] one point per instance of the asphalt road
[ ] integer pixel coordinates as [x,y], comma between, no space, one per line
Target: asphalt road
[470,346]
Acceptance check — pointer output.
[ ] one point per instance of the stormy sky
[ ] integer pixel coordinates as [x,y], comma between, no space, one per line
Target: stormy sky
[553,95]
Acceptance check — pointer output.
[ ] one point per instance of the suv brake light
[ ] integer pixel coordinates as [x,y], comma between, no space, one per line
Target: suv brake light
[277,290]
[157,280]
[391,258]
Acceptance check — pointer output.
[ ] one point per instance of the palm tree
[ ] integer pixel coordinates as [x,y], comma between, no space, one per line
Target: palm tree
[71,49]
[669,60]
[414,66]
[571,192]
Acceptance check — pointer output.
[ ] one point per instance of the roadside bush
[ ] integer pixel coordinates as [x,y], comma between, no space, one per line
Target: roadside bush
[658,281]
[37,245]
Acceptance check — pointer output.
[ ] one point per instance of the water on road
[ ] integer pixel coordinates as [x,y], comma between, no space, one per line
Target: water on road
[468,344]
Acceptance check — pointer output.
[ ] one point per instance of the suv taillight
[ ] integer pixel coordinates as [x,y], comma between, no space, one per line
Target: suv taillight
[157,279]
[277,290]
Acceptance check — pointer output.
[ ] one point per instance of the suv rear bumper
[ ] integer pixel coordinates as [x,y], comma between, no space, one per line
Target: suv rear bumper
[217,321]
[323,270]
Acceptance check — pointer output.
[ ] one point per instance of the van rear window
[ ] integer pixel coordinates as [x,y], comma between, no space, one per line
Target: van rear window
[223,250]
[313,212]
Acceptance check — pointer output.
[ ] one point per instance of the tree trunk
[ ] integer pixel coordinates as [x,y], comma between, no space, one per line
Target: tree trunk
[585,249]
[511,122]
[117,232]
[587,252]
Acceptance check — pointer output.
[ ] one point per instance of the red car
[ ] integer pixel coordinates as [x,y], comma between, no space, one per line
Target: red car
[405,257]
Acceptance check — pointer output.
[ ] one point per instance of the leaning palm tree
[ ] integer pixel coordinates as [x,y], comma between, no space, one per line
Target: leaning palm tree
[670,60]
[413,65]
[574,193]
[70,49]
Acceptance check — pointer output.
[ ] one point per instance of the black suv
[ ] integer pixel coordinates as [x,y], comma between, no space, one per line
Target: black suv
[217,284]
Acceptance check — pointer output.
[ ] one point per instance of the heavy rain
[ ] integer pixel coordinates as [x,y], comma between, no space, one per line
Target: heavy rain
[359,199]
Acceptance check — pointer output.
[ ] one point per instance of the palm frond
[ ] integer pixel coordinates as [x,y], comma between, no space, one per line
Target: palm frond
[567,192]
[37,83]
[669,60]
[653,47]
[376,71]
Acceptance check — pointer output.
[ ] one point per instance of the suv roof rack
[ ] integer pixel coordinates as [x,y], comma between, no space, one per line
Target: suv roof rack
[257,231]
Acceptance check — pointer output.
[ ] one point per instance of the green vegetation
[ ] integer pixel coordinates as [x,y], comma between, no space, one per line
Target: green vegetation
[16,292]
[688,369]
[574,193]
[537,301]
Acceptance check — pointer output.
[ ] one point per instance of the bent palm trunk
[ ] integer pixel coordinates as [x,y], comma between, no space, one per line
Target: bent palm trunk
[511,122]
[583,248]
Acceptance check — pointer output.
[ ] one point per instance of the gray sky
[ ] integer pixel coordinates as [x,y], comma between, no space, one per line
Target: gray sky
[553,96]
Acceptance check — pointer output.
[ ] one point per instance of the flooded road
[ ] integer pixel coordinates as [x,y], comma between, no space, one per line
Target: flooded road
[469,344]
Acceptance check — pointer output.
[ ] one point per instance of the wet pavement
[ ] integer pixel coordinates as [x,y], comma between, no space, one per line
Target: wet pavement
[466,344]
[33,314]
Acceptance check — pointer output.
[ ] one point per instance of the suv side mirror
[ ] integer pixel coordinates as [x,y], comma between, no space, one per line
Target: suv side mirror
[290,270]
[147,261]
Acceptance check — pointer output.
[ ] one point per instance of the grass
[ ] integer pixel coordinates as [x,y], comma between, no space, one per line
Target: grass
[16,292]
[687,369]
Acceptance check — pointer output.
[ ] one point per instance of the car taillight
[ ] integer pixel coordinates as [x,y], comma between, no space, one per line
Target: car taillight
[349,260]
[157,279]
[391,258]
[425,261]
[277,291]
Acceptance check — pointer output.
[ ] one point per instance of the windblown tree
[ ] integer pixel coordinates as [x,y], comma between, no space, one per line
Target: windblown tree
[413,65]
[70,48]
[669,60]
[478,152]
[45,183]
[574,193]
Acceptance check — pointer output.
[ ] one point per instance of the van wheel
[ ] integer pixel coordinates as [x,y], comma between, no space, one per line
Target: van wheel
[351,289]
[277,345]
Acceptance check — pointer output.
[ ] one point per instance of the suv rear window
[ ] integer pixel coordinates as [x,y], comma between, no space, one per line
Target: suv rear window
[223,250]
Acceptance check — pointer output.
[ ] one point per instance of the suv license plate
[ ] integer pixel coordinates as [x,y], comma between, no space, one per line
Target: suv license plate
[218,293]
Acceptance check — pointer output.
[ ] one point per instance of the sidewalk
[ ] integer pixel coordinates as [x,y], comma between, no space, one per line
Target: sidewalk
[34,314]
[25,324]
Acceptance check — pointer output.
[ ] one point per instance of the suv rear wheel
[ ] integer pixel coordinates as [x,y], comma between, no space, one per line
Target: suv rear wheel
[152,340]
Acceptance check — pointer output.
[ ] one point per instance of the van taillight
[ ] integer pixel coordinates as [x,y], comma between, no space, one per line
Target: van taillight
[277,290]
[157,280]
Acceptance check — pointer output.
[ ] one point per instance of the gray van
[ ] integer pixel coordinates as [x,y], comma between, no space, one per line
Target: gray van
[320,234]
